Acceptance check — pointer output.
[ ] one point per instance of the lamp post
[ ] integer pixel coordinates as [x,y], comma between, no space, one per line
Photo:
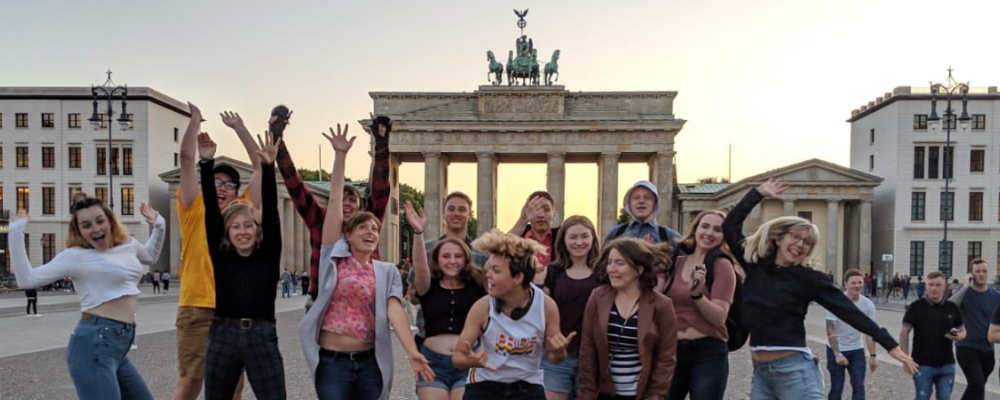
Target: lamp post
[107,91]
[949,89]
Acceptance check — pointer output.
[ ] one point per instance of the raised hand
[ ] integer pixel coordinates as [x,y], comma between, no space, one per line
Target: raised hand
[268,149]
[232,119]
[22,214]
[478,358]
[195,112]
[379,126]
[421,367]
[148,213]
[206,146]
[559,343]
[415,217]
[339,139]
[773,189]
[532,208]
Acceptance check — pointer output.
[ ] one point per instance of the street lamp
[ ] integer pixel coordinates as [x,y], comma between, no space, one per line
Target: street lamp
[950,88]
[108,91]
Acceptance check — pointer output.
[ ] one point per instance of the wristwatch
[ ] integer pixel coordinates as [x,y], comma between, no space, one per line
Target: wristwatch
[873,355]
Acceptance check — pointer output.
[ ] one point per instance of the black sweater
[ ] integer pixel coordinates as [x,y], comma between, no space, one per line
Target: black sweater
[244,286]
[776,300]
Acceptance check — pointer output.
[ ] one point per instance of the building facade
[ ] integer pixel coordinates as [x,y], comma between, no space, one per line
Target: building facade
[49,151]
[890,138]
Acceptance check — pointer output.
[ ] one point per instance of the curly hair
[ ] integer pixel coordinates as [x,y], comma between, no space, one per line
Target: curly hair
[467,273]
[649,260]
[519,252]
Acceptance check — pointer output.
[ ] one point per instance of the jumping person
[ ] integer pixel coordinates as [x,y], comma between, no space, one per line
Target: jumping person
[107,264]
[775,257]
[975,354]
[510,325]
[245,246]
[629,338]
[447,289]
[570,281]
[196,303]
[845,346]
[345,337]
[701,308]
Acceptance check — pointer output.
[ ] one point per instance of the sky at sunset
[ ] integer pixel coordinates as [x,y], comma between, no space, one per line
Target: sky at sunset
[776,79]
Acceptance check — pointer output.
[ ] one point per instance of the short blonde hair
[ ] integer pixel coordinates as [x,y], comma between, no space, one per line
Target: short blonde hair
[519,252]
[229,215]
[81,201]
[764,243]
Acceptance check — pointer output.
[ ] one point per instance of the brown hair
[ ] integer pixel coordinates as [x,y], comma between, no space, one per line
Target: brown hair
[937,274]
[467,273]
[81,201]
[977,261]
[229,215]
[350,190]
[542,194]
[460,195]
[688,242]
[561,258]
[851,273]
[519,252]
[360,218]
[652,258]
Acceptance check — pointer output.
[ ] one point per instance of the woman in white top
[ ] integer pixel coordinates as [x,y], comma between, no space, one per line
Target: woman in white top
[105,265]
[510,325]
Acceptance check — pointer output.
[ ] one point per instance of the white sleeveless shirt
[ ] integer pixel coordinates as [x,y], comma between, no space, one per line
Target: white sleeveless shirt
[515,348]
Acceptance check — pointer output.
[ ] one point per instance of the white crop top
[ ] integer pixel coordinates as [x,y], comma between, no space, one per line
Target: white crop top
[98,276]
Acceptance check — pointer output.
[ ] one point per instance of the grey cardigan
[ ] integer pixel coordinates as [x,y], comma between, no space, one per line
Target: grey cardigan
[387,284]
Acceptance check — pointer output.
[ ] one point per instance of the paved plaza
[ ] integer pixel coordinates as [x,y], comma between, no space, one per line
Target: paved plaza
[32,365]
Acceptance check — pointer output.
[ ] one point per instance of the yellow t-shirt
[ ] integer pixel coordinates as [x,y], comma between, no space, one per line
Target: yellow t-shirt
[198,288]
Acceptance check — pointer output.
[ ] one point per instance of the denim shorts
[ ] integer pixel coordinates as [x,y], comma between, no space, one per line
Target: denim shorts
[562,377]
[446,376]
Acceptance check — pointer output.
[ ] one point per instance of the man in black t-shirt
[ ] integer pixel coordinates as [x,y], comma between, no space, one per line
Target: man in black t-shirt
[935,323]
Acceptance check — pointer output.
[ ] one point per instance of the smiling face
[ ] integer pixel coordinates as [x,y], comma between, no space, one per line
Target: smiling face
[794,246]
[621,274]
[95,227]
[242,231]
[451,260]
[708,233]
[854,285]
[351,205]
[226,190]
[363,238]
[642,202]
[457,213]
[579,240]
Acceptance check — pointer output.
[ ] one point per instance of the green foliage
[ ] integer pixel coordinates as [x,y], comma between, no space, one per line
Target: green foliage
[416,197]
[713,179]
[311,175]
[623,217]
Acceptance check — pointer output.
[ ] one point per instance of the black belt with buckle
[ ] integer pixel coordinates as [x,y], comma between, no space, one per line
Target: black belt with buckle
[348,355]
[242,323]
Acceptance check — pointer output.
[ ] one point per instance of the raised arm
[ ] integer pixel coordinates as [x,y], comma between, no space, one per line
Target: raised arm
[334,222]
[150,252]
[269,192]
[27,277]
[378,198]
[214,229]
[421,270]
[302,199]
[234,121]
[189,158]
[529,210]
[732,227]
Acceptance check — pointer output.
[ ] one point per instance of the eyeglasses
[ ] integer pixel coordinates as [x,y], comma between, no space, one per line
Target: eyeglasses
[796,238]
[229,185]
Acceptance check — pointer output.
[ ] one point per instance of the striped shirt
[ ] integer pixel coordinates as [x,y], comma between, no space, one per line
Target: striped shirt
[623,344]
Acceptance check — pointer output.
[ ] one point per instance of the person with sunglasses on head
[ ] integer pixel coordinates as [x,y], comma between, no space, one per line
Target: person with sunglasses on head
[105,264]
[776,256]
[346,337]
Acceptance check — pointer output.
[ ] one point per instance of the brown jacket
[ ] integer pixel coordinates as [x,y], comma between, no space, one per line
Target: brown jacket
[657,345]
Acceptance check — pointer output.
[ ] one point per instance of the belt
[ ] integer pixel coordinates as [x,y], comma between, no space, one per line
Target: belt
[242,323]
[348,355]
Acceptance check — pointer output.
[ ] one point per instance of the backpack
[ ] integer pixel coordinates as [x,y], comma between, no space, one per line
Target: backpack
[738,334]
[664,237]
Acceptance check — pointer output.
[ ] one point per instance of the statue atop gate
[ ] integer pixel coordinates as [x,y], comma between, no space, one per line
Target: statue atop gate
[522,62]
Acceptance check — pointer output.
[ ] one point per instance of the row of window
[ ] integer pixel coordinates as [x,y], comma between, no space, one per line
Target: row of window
[23,202]
[918,203]
[945,256]
[119,165]
[925,161]
[73,120]
[978,122]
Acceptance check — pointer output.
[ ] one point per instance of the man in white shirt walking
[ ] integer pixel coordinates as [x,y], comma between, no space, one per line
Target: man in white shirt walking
[845,346]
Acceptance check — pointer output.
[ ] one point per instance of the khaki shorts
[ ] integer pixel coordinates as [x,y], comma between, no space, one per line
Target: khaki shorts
[193,324]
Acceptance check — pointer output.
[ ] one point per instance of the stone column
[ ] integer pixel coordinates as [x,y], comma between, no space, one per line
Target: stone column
[300,241]
[865,238]
[832,231]
[388,243]
[608,184]
[486,189]
[434,177]
[556,183]
[175,235]
[288,231]
[665,184]
[789,207]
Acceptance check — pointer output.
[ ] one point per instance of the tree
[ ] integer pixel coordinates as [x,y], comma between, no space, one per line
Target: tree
[407,192]
[311,175]
[623,217]
[713,179]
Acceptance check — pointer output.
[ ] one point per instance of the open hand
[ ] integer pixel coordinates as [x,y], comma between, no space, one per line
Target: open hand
[421,367]
[773,189]
[232,119]
[206,146]
[268,149]
[532,208]
[415,217]
[148,213]
[478,358]
[909,366]
[379,128]
[339,139]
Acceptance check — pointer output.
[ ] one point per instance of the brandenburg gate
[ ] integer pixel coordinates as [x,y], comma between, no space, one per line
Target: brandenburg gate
[519,124]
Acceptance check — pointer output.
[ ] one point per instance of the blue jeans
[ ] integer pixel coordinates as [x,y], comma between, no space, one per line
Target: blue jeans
[562,377]
[856,365]
[790,378]
[285,287]
[446,376]
[97,361]
[940,380]
[345,379]
[702,369]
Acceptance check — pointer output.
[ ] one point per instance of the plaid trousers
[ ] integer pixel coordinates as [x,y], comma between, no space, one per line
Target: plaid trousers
[231,350]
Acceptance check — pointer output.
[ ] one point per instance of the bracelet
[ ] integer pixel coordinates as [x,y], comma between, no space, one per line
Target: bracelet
[418,233]
[699,296]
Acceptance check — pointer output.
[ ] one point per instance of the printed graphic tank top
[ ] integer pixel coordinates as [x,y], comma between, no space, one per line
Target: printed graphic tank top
[515,348]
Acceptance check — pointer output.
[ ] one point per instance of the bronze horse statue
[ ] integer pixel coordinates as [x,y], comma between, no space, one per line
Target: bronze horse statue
[552,68]
[496,69]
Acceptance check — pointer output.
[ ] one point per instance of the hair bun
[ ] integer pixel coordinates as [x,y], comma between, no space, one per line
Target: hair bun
[79,196]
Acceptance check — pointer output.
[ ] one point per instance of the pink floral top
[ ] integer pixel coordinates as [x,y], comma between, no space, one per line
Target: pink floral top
[352,308]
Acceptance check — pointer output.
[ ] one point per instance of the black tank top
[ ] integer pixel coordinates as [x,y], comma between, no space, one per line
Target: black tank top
[445,309]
